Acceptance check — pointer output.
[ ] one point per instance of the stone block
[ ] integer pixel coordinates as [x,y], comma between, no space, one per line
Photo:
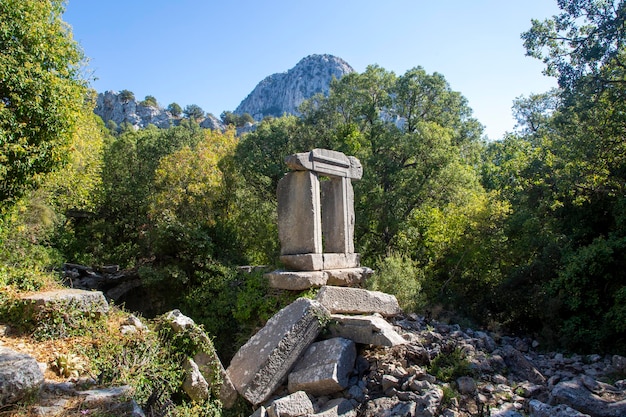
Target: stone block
[296,281]
[345,300]
[349,277]
[368,330]
[303,262]
[194,384]
[263,363]
[212,370]
[294,405]
[324,368]
[299,217]
[81,300]
[341,260]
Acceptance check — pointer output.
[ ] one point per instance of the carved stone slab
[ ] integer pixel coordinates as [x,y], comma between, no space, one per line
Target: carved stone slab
[327,162]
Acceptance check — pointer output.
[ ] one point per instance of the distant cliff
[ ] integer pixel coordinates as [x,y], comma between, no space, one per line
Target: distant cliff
[276,95]
[283,93]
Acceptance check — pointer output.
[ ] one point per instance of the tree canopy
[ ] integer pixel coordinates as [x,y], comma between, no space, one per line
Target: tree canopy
[41,92]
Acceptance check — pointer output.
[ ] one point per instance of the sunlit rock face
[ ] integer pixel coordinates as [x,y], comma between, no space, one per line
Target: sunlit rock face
[283,93]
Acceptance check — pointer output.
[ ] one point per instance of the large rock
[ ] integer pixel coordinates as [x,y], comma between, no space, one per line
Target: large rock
[589,396]
[539,409]
[263,363]
[20,376]
[346,300]
[368,330]
[194,384]
[324,368]
[283,93]
[81,300]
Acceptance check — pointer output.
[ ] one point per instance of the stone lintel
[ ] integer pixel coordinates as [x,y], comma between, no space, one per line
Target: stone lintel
[341,260]
[327,162]
[296,280]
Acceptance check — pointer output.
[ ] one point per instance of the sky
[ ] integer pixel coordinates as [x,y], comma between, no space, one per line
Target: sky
[213,53]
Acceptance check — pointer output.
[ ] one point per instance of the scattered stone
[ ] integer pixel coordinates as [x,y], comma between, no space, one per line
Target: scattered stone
[346,300]
[178,321]
[466,384]
[597,402]
[339,407]
[619,363]
[260,365]
[539,409]
[389,407]
[20,376]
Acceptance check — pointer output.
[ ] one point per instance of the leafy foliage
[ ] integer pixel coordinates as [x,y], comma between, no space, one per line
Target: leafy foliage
[40,95]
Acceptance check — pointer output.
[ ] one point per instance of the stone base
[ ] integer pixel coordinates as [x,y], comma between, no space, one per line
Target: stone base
[320,261]
[303,280]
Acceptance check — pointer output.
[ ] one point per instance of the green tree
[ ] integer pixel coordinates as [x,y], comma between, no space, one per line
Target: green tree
[127,95]
[149,101]
[41,93]
[175,109]
[193,112]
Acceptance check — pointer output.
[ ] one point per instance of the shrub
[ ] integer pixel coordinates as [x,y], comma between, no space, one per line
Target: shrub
[398,275]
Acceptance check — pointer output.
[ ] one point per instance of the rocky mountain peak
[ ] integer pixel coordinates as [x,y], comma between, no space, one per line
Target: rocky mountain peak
[283,92]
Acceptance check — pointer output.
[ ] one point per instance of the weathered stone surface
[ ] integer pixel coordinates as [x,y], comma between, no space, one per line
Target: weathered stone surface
[194,384]
[338,216]
[20,376]
[327,162]
[296,281]
[260,365]
[389,407]
[293,405]
[516,361]
[341,260]
[299,217]
[539,409]
[178,321]
[350,277]
[81,300]
[369,330]
[324,368]
[589,396]
[212,370]
[358,301]
[339,407]
[260,412]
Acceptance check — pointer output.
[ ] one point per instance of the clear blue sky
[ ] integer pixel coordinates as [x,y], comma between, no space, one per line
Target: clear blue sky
[213,53]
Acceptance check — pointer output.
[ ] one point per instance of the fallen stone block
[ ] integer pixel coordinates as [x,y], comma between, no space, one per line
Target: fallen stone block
[263,363]
[81,300]
[293,405]
[20,376]
[345,300]
[368,330]
[596,401]
[539,409]
[339,407]
[296,281]
[324,368]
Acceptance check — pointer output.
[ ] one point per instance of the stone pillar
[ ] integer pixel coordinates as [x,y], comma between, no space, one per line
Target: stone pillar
[299,217]
[338,215]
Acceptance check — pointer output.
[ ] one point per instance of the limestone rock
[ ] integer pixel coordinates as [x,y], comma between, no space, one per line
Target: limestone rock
[324,368]
[283,93]
[20,376]
[263,363]
[296,281]
[589,397]
[194,384]
[84,301]
[339,407]
[178,321]
[539,409]
[345,300]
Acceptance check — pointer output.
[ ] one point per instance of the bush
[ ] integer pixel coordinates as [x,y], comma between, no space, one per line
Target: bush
[398,275]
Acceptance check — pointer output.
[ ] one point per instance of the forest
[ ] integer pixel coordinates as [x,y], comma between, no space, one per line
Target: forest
[525,234]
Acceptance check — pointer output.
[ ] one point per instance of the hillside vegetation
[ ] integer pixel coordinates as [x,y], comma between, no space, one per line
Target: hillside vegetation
[524,234]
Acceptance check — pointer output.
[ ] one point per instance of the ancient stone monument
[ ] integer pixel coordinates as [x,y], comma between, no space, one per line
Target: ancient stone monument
[316,221]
